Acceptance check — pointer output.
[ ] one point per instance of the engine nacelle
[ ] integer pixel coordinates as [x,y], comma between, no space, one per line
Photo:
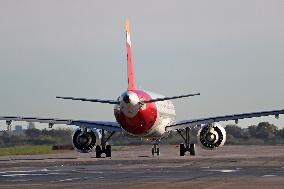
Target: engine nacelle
[84,141]
[212,136]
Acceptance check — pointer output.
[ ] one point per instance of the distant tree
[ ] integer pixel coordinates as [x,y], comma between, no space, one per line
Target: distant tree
[263,130]
[33,133]
[6,138]
[60,136]
[266,126]
[234,131]
[280,133]
[252,130]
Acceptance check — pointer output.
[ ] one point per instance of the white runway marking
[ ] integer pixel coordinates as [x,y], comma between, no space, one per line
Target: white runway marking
[18,180]
[223,170]
[29,171]
[70,179]
[269,175]
[40,172]
[205,167]
[22,174]
[228,171]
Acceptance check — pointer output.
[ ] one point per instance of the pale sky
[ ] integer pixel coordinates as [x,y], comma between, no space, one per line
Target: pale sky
[232,52]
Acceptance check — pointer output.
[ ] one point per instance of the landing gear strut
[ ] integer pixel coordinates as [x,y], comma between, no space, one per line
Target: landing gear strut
[9,125]
[104,148]
[186,146]
[155,148]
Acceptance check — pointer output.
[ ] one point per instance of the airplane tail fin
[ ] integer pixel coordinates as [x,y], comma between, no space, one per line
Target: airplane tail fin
[130,73]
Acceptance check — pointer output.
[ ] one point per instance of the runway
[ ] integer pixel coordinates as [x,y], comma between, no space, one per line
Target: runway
[134,167]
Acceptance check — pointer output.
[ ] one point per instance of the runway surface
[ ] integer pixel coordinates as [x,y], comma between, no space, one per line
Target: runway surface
[134,167]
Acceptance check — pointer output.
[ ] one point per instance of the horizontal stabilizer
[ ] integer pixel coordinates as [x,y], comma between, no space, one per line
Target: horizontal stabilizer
[90,100]
[171,98]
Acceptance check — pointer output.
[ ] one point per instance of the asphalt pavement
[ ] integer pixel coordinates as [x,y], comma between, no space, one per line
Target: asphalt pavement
[134,167]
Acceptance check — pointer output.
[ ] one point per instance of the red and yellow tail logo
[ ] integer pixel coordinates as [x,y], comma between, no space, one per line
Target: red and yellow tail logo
[130,74]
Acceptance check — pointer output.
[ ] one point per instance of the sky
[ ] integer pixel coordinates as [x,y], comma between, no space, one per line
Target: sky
[232,52]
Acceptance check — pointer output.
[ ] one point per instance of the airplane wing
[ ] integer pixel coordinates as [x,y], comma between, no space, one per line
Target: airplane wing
[89,100]
[110,126]
[235,117]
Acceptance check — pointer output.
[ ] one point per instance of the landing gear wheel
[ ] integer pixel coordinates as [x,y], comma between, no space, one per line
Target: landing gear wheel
[108,151]
[186,146]
[98,152]
[181,150]
[155,149]
[192,149]
[104,148]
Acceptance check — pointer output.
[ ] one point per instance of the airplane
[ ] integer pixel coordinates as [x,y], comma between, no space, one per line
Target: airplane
[146,115]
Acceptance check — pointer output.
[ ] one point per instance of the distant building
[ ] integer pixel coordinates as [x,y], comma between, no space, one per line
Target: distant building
[31,125]
[18,128]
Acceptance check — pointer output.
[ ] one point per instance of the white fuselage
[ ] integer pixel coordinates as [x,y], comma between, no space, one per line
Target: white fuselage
[165,117]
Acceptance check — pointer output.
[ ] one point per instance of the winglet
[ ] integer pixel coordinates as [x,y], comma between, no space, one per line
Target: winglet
[130,73]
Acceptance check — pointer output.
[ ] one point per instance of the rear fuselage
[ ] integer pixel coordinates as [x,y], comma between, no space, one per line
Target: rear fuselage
[148,119]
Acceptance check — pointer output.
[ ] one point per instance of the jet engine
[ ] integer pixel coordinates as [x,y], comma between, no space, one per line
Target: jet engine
[212,136]
[84,140]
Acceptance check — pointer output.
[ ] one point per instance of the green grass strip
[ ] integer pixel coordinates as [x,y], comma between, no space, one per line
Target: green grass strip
[27,150]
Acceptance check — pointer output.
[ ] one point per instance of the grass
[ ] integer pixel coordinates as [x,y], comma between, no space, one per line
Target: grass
[119,148]
[28,150]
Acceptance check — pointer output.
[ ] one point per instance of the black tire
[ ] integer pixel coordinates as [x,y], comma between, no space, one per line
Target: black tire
[108,150]
[192,149]
[181,150]
[98,152]
[158,151]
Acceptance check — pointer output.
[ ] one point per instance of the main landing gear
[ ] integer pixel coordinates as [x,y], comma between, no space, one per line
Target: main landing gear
[186,146]
[104,148]
[155,148]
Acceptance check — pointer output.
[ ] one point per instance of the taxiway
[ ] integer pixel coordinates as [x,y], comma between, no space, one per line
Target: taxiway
[134,167]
